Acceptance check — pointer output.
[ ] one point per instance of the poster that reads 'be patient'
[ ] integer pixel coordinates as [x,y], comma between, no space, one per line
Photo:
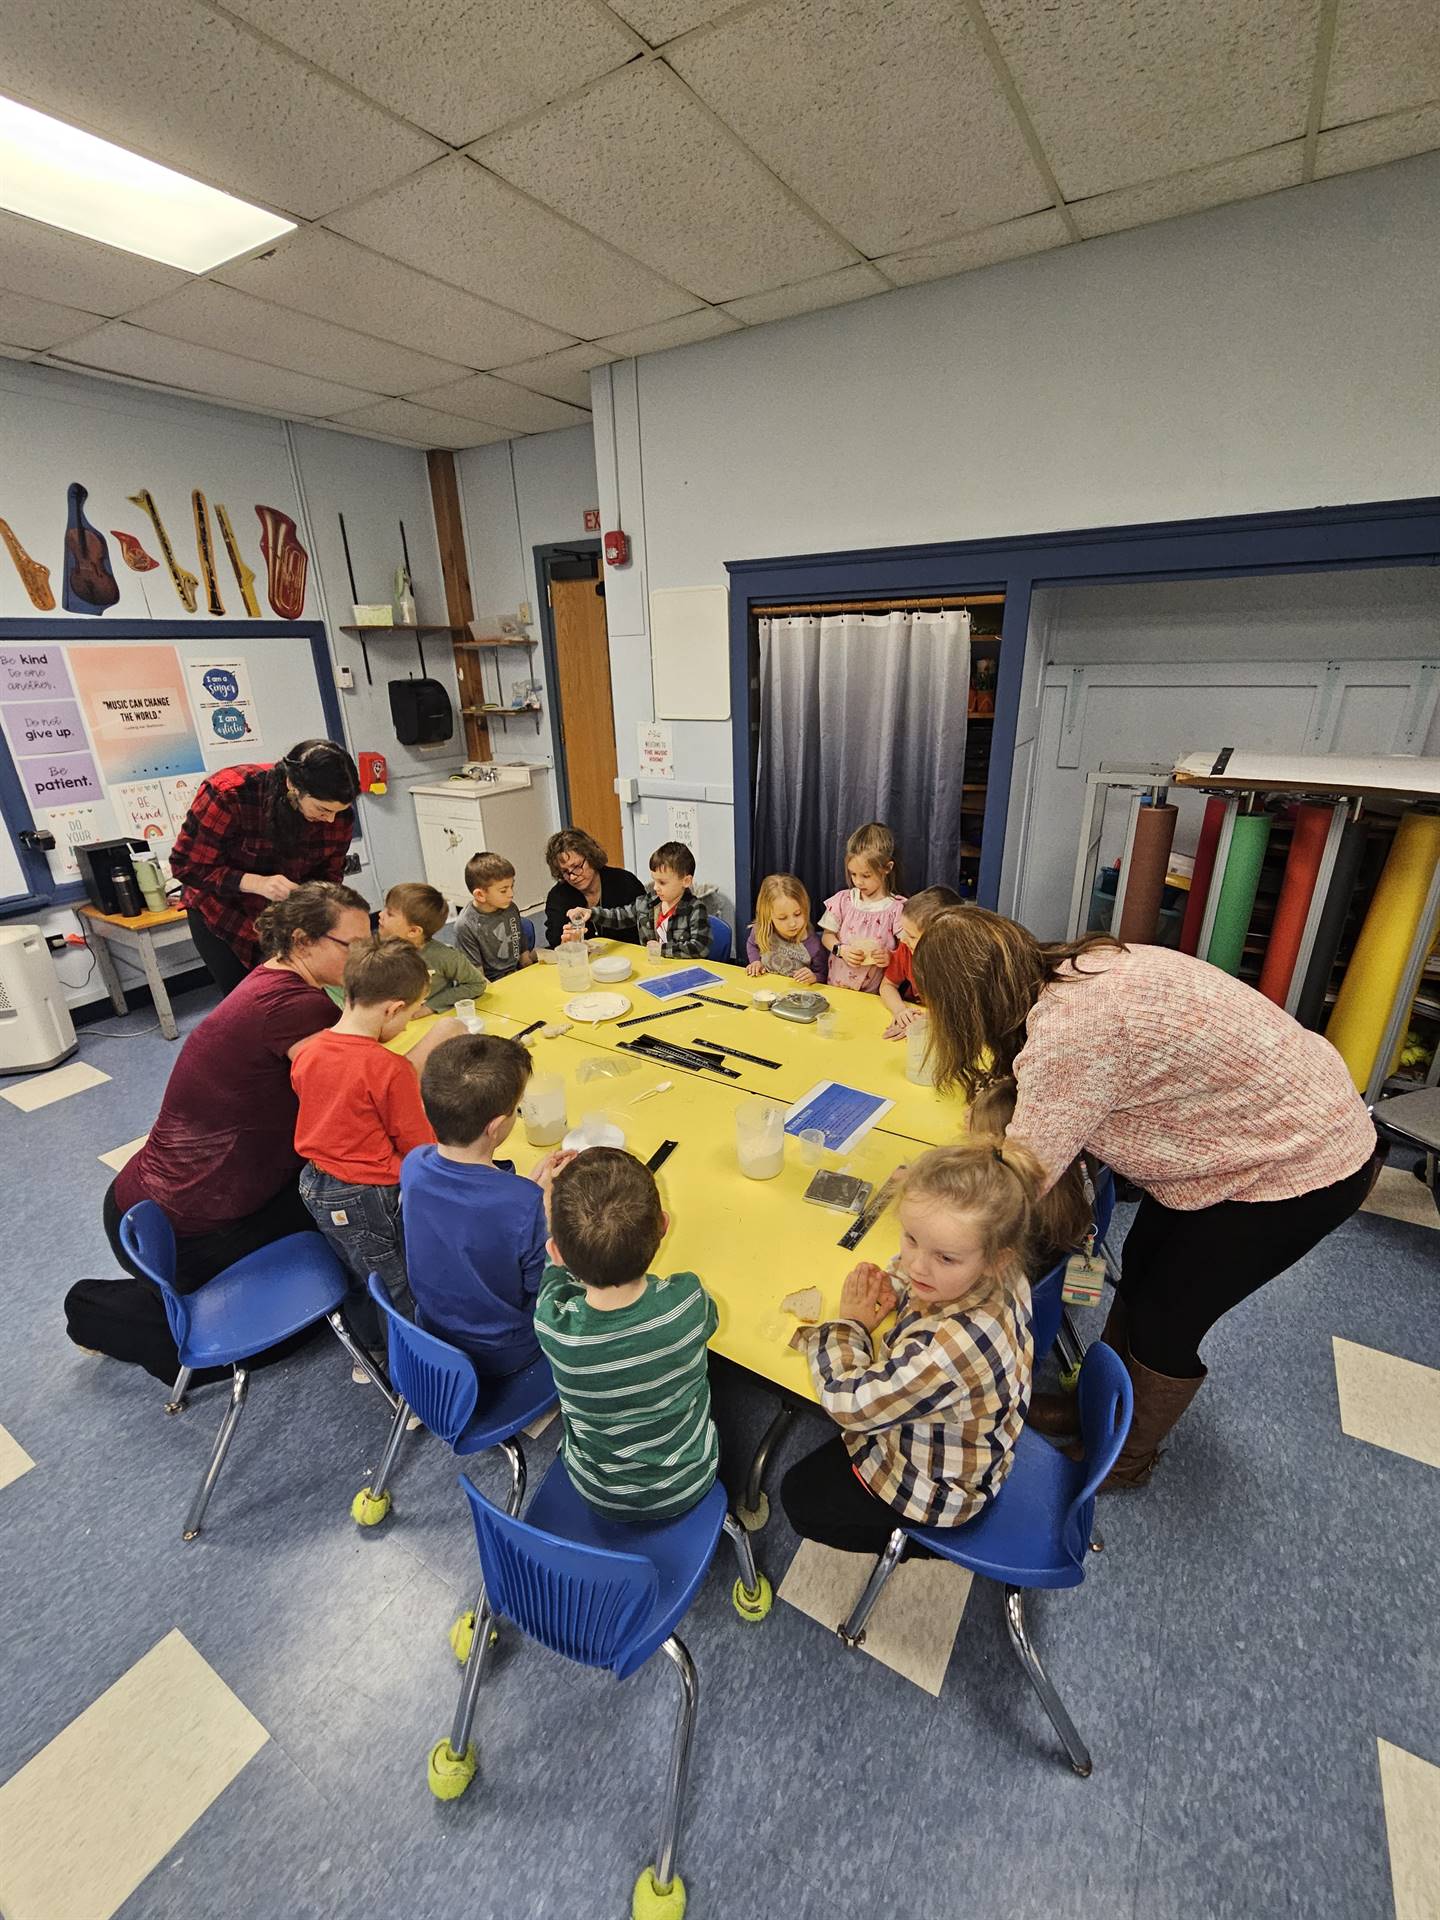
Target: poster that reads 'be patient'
[139,717]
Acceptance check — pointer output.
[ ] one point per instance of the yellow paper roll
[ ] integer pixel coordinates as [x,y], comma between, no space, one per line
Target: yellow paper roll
[1377,966]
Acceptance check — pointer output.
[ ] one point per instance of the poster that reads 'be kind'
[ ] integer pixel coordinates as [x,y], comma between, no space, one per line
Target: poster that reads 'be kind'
[105,740]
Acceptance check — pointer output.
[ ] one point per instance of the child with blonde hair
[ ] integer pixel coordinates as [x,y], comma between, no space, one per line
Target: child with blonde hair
[782,939]
[860,924]
[1062,1217]
[930,1412]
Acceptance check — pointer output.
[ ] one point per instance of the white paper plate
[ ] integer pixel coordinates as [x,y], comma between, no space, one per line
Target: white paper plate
[592,1008]
[608,970]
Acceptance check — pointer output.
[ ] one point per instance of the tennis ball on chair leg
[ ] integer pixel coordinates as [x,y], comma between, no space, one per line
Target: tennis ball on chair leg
[366,1510]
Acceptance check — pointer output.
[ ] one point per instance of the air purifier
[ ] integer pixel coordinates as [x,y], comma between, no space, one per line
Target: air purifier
[36,1030]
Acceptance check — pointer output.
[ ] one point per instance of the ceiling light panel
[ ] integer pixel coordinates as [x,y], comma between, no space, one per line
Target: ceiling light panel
[195,90]
[638,161]
[119,348]
[889,120]
[464,225]
[1121,93]
[455,67]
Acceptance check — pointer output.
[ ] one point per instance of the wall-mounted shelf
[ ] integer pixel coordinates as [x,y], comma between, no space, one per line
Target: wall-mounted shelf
[412,629]
[491,712]
[365,634]
[499,640]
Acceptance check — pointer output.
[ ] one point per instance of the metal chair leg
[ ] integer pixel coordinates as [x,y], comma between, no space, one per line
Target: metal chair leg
[515,1454]
[753,1508]
[474,1673]
[196,1515]
[852,1631]
[664,1868]
[1097,1543]
[176,1402]
[1074,1746]
[361,1358]
[745,1555]
[391,1453]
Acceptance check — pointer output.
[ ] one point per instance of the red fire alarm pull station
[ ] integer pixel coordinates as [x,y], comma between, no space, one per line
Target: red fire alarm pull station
[374,774]
[617,549]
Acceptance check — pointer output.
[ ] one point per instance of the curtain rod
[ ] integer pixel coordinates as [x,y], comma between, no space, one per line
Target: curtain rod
[899,605]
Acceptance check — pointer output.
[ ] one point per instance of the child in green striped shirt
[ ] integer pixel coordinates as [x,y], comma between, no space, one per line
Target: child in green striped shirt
[628,1350]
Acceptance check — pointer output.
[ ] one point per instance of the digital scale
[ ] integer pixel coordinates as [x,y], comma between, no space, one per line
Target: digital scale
[802,1007]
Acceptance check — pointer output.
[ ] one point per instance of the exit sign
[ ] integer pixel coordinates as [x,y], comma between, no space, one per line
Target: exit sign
[592,519]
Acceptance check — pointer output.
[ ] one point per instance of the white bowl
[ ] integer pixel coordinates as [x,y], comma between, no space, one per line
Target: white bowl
[764,996]
[589,1134]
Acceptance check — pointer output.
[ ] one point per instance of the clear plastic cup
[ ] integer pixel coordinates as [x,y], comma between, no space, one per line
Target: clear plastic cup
[465,1010]
[573,966]
[760,1139]
[812,1147]
[543,1110]
[919,1067]
[827,1024]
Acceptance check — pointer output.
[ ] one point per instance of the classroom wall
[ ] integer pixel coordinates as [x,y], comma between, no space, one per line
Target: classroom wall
[515,496]
[57,427]
[1280,353]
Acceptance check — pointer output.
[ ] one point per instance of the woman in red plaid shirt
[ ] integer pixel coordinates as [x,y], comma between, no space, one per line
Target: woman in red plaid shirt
[253,835]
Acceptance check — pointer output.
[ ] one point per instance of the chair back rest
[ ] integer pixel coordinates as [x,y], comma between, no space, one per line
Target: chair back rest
[1107,1402]
[1104,1201]
[587,1603]
[434,1379]
[1045,1309]
[149,1241]
[722,940]
[527,929]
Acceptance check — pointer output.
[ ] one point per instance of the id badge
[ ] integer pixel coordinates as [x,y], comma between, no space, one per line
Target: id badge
[1084,1278]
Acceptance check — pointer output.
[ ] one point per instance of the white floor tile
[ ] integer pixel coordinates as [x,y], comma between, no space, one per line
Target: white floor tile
[912,1630]
[1398,1195]
[14,1460]
[1411,1787]
[84,1822]
[58,1084]
[119,1157]
[1390,1402]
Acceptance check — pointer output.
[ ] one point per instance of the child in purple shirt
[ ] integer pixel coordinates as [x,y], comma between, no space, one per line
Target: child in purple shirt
[782,939]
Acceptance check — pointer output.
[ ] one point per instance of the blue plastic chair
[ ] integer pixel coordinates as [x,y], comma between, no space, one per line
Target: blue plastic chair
[1046,1310]
[261,1300]
[1037,1530]
[722,940]
[603,1593]
[527,934]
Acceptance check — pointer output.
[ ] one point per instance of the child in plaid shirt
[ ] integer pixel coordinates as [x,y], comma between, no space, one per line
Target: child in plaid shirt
[929,1414]
[668,917]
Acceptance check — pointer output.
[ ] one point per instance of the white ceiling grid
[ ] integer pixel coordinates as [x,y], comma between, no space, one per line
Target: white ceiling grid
[496,196]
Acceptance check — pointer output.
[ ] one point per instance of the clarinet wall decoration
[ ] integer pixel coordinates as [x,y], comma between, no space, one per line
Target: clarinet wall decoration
[34,576]
[286,562]
[244,575]
[185,582]
[90,585]
[204,547]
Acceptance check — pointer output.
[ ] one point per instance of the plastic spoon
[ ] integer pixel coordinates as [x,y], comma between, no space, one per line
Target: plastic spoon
[661,1086]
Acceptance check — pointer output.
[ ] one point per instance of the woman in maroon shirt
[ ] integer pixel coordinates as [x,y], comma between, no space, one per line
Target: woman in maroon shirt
[252,835]
[220,1159]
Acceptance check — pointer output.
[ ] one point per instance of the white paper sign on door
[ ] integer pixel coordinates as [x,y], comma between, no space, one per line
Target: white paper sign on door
[657,750]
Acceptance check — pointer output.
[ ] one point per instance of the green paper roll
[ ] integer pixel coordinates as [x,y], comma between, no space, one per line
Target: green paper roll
[1237,891]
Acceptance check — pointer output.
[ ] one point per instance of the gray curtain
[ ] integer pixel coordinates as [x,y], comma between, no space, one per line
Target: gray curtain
[862,717]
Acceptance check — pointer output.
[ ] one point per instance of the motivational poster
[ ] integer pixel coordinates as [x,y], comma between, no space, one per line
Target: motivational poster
[225,710]
[56,779]
[72,827]
[141,811]
[136,708]
[27,671]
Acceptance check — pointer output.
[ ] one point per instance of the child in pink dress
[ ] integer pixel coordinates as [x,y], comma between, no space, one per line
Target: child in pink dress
[861,923]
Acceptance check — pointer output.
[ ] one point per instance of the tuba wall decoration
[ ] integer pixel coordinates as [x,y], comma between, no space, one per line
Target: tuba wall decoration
[286,562]
[185,581]
[89,581]
[34,575]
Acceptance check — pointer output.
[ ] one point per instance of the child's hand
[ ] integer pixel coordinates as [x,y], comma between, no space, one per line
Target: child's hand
[569,933]
[554,1162]
[867,1295]
[756,966]
[855,954]
[804,978]
[905,1018]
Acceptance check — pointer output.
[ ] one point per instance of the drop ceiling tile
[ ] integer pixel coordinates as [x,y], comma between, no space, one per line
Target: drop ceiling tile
[1370,143]
[639,162]
[464,225]
[419,426]
[314,271]
[120,348]
[1124,91]
[180,84]
[217,316]
[18,353]
[1190,192]
[1014,238]
[888,120]
[564,375]
[47,264]
[1386,56]
[707,324]
[455,67]
[660,20]
[37,324]
[826,290]
[480,396]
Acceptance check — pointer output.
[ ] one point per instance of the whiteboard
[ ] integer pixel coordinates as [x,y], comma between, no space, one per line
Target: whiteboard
[690,652]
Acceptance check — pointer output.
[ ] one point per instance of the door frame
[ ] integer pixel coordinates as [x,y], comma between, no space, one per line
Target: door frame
[561,550]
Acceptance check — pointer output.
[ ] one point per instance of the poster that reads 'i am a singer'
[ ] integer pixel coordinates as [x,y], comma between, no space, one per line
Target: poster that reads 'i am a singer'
[138,714]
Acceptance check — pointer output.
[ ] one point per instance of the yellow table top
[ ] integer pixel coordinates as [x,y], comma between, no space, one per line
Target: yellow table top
[858,1055]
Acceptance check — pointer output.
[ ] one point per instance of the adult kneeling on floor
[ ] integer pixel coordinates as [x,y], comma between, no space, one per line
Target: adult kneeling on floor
[220,1159]
[1244,1130]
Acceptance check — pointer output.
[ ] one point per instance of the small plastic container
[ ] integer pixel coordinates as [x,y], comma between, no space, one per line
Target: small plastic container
[827,1024]
[760,1139]
[594,1130]
[919,1067]
[543,1110]
[464,1010]
[573,966]
[812,1147]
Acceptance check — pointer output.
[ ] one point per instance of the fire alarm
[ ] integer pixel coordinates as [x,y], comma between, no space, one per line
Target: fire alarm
[617,548]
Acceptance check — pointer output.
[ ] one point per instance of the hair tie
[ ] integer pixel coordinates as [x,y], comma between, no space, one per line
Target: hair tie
[999,1153]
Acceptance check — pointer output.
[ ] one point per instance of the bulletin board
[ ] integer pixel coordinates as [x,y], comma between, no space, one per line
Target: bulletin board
[108,735]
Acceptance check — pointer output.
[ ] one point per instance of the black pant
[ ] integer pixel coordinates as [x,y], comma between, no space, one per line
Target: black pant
[227,969]
[1182,1271]
[824,1501]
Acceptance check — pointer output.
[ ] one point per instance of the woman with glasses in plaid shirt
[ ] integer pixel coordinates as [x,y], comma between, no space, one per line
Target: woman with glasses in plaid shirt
[929,1412]
[254,834]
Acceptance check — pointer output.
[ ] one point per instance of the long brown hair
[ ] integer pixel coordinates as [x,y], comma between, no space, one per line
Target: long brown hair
[307,912]
[979,975]
[1063,1216]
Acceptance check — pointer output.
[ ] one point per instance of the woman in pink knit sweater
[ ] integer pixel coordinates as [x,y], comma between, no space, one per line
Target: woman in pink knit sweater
[1244,1130]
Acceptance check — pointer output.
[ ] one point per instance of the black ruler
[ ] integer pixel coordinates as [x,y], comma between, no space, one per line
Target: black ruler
[676,1056]
[660,1013]
[734,1053]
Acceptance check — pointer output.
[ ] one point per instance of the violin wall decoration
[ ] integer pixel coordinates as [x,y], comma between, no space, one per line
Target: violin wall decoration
[90,585]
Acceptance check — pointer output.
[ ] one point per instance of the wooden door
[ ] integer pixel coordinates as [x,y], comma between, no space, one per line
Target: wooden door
[586,710]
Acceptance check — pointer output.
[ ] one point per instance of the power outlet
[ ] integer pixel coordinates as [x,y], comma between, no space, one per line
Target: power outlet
[55,942]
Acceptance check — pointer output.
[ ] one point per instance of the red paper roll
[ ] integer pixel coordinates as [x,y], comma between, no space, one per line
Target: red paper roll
[1312,827]
[1204,870]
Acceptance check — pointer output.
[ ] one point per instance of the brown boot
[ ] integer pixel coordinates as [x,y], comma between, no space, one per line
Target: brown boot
[1057,1415]
[1159,1403]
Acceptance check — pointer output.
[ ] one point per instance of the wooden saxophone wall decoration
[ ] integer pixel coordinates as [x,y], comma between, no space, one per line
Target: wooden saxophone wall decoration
[286,562]
[243,574]
[34,576]
[136,558]
[89,580]
[206,550]
[185,582]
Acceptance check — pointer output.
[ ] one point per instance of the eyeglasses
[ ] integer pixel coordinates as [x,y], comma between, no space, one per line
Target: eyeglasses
[574,870]
[347,944]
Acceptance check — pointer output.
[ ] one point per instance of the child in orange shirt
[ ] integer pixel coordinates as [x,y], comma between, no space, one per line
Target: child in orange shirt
[898,992]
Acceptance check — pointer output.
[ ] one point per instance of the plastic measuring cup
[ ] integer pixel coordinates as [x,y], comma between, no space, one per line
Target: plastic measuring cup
[760,1139]
[919,1066]
[543,1110]
[573,965]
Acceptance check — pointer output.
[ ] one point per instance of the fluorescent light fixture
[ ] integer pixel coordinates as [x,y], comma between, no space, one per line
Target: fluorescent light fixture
[65,178]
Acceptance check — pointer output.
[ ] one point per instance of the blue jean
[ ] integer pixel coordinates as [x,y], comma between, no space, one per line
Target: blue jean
[367,1237]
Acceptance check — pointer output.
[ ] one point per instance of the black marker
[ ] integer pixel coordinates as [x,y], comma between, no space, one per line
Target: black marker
[661,1154]
[533,1027]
